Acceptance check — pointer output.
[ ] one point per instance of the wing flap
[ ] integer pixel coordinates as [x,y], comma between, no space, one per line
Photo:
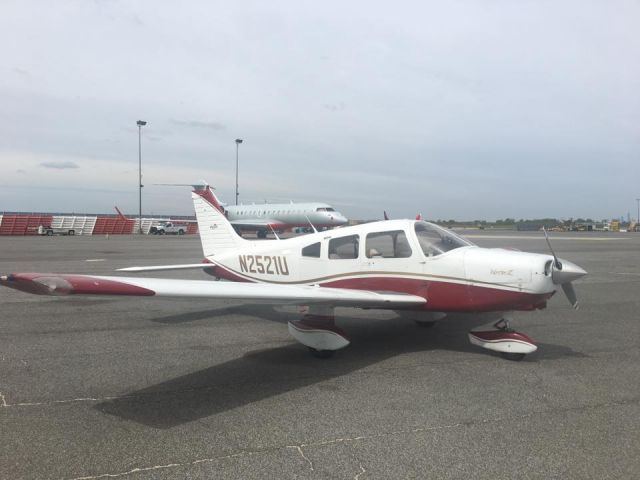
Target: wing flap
[70,284]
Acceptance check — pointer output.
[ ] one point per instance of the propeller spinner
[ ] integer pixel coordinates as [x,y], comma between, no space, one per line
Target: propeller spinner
[563,273]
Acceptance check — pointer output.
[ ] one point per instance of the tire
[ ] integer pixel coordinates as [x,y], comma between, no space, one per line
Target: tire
[49,233]
[321,353]
[72,233]
[425,324]
[514,357]
[180,232]
[160,232]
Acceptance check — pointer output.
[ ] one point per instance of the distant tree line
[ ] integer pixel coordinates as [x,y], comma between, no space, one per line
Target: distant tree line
[510,222]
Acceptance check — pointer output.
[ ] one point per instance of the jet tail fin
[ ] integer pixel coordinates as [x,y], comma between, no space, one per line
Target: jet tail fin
[120,214]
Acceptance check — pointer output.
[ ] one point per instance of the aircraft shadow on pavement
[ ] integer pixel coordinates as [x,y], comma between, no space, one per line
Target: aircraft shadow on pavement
[243,309]
[265,373]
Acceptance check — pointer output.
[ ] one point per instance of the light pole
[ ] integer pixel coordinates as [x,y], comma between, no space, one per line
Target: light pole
[638,217]
[140,123]
[238,142]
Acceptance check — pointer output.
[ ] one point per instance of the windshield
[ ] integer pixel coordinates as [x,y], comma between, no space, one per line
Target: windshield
[435,240]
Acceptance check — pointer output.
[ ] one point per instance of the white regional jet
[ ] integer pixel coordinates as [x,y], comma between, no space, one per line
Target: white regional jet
[277,216]
[400,265]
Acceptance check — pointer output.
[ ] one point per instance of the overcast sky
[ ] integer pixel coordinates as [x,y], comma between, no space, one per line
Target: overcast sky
[462,109]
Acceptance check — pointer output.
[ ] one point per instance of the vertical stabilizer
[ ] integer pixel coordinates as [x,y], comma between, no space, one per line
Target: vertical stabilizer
[216,233]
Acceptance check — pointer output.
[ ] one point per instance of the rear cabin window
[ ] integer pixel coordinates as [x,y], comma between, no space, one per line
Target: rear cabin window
[344,247]
[393,244]
[312,250]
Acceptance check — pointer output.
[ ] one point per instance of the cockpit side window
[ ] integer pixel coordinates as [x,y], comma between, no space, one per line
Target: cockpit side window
[436,240]
[325,209]
[344,247]
[392,244]
[312,250]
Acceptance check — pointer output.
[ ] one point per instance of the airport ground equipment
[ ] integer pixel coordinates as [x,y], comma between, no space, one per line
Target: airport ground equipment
[48,230]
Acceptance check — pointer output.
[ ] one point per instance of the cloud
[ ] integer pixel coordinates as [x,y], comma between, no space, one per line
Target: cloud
[59,165]
[334,107]
[199,124]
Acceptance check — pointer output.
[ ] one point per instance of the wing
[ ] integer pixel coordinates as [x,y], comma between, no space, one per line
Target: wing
[70,284]
[258,223]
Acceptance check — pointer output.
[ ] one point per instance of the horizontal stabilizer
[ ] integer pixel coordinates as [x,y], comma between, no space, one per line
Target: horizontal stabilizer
[159,268]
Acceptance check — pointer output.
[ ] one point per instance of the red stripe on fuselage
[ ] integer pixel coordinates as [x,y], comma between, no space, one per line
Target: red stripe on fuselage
[447,296]
[441,296]
[219,271]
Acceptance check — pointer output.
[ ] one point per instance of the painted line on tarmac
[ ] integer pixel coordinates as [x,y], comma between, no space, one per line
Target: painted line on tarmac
[95,260]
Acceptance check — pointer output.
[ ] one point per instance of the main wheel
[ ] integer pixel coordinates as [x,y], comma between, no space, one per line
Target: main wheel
[321,353]
[514,357]
[425,324]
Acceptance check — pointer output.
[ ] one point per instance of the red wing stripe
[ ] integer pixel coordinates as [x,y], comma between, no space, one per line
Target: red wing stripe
[52,284]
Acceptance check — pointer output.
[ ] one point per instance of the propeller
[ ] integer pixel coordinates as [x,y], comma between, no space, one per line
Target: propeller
[564,273]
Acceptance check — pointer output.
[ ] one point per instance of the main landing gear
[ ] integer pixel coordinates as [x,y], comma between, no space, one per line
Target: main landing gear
[510,344]
[318,331]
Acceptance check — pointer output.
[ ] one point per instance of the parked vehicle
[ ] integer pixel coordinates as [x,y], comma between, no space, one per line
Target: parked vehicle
[48,230]
[168,228]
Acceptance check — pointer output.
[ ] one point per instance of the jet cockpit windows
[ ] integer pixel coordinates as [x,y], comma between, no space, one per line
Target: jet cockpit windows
[392,244]
[312,250]
[344,247]
[323,209]
[435,240]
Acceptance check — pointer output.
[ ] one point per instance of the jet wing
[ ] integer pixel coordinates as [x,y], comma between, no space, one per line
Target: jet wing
[257,223]
[71,284]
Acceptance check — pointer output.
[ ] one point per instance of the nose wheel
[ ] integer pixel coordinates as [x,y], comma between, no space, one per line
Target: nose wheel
[505,340]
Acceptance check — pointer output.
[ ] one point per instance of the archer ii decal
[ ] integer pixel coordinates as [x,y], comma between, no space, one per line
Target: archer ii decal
[266,264]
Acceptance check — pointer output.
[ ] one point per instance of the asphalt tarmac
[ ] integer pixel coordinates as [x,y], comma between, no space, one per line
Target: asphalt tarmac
[146,388]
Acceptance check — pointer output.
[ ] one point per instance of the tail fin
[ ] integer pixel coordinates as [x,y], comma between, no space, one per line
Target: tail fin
[120,214]
[216,233]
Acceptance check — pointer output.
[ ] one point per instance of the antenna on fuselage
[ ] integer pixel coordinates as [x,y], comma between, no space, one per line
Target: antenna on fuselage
[274,232]
[312,226]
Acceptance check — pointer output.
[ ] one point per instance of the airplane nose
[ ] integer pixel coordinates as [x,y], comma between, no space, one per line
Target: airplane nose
[568,273]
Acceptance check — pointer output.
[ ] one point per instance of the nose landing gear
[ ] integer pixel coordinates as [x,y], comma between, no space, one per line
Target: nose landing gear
[510,344]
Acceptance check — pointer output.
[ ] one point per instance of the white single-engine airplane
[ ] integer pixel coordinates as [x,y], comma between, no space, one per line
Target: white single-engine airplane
[403,265]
